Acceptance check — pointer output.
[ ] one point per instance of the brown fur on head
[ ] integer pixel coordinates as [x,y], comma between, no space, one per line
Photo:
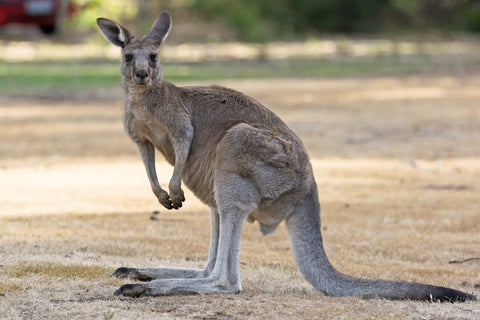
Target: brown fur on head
[140,63]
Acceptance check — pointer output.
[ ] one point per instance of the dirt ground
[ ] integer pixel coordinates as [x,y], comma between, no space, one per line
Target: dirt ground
[397,162]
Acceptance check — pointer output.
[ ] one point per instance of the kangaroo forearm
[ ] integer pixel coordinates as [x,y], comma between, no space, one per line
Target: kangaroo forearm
[147,152]
[181,145]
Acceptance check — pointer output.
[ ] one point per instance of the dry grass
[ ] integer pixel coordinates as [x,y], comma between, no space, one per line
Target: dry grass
[397,166]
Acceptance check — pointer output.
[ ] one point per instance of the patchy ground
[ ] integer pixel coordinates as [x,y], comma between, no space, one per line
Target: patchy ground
[397,166]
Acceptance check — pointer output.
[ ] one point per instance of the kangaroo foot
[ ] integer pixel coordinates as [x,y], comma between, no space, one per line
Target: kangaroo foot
[131,273]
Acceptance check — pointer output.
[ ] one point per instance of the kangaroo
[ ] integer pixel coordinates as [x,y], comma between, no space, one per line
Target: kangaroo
[241,160]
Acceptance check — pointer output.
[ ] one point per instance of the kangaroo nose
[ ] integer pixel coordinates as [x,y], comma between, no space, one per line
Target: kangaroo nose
[141,74]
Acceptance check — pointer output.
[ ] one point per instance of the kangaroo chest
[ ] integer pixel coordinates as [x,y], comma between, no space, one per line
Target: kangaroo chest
[143,126]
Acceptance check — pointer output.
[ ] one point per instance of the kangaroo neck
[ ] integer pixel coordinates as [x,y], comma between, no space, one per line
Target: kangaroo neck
[133,91]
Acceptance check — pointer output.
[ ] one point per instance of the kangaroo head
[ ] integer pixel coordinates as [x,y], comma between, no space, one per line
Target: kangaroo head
[140,63]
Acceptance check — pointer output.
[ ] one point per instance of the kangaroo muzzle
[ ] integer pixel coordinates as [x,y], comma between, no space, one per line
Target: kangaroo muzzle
[141,77]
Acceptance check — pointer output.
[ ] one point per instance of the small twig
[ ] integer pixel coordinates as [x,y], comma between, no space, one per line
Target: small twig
[454,187]
[464,260]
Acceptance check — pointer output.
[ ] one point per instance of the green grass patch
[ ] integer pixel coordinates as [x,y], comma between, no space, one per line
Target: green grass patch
[49,77]
[56,270]
[294,68]
[53,78]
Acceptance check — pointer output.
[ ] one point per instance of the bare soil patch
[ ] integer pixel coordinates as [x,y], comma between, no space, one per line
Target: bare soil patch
[397,165]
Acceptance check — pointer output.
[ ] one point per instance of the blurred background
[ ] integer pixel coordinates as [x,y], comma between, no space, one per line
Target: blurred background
[384,95]
[53,47]
[251,20]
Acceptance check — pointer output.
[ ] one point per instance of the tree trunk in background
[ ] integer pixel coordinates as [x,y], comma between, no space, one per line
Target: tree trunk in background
[61,16]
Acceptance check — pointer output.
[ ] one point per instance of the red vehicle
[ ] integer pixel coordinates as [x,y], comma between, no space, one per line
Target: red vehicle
[43,13]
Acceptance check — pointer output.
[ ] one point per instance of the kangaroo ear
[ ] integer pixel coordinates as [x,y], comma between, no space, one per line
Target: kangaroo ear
[160,28]
[114,32]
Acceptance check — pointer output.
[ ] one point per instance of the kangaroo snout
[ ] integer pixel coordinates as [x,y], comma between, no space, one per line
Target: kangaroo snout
[141,77]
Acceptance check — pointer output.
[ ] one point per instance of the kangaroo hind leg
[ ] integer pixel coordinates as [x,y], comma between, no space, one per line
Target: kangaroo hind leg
[234,196]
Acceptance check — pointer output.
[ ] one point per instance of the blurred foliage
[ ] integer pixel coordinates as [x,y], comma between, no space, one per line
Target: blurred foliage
[138,15]
[260,20]
[472,18]
[90,10]
[263,20]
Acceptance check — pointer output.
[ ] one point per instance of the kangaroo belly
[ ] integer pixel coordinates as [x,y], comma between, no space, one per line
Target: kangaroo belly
[162,144]
[198,176]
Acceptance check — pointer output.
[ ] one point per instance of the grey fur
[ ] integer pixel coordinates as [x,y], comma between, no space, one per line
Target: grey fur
[241,160]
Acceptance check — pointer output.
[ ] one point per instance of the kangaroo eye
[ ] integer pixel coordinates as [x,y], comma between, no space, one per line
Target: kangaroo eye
[154,57]
[128,57]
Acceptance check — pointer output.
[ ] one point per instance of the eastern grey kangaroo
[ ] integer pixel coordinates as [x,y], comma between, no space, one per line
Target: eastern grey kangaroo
[241,160]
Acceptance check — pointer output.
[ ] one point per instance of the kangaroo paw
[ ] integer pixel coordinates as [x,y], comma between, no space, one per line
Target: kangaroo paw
[177,198]
[164,199]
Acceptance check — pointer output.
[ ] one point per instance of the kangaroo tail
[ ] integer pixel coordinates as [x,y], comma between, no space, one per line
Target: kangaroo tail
[304,230]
